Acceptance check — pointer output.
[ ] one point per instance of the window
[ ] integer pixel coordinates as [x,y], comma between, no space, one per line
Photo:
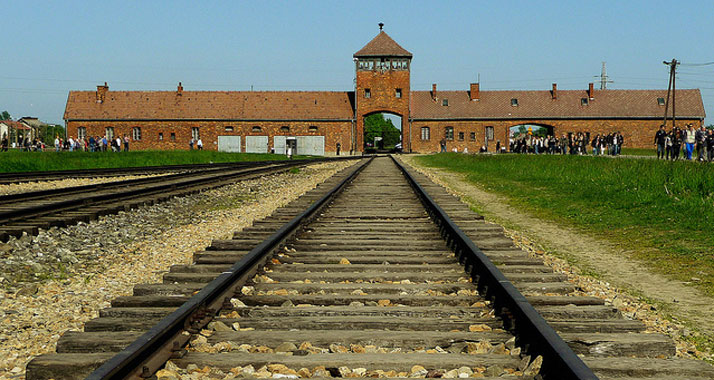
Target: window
[514,102]
[449,133]
[425,133]
[256,129]
[161,136]
[173,136]
[312,128]
[195,133]
[472,136]
[660,101]
[398,93]
[444,102]
[109,132]
[136,133]
[489,133]
[81,132]
[461,136]
[285,128]
[229,129]
[367,93]
[584,101]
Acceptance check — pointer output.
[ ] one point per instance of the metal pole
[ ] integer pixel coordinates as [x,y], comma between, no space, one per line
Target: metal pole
[669,90]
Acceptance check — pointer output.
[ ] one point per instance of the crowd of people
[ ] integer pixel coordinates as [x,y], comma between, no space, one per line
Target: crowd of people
[92,144]
[572,143]
[689,141]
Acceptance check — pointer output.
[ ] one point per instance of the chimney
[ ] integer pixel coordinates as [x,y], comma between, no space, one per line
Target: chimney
[102,92]
[475,93]
[591,91]
[179,90]
[433,92]
[554,92]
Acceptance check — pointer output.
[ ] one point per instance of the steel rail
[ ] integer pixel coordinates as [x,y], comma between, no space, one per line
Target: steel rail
[16,177]
[114,189]
[532,331]
[171,332]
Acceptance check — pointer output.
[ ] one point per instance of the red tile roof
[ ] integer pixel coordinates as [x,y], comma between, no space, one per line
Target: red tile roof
[382,46]
[239,105]
[14,124]
[540,105]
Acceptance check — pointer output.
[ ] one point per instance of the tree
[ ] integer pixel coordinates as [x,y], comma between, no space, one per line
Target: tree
[377,126]
[5,115]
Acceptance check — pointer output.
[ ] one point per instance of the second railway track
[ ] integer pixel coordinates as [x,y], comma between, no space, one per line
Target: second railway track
[370,286]
[28,212]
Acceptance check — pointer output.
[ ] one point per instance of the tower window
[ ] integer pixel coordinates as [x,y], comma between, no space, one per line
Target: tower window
[398,93]
[514,102]
[660,101]
[367,93]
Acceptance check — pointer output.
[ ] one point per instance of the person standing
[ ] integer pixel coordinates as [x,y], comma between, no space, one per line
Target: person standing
[57,143]
[659,141]
[126,143]
[690,137]
[337,149]
[199,144]
[190,144]
[710,145]
[442,144]
[701,136]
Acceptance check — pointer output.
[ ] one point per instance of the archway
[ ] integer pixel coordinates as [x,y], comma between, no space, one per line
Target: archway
[531,138]
[382,132]
[522,130]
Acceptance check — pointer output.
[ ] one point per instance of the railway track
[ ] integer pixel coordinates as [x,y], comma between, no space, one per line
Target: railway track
[28,212]
[383,275]
[54,175]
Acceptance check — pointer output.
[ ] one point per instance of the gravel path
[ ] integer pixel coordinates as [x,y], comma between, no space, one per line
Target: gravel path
[622,281]
[93,263]
[24,187]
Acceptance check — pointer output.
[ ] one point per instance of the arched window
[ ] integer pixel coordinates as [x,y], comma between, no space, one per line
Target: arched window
[312,128]
[284,128]
[257,129]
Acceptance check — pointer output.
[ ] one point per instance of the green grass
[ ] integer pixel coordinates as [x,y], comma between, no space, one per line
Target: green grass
[661,211]
[15,161]
[639,151]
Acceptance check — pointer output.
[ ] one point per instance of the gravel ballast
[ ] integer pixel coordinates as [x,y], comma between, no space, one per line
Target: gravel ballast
[56,281]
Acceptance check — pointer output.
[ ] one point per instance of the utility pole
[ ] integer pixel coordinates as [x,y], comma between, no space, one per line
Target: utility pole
[671,91]
[604,79]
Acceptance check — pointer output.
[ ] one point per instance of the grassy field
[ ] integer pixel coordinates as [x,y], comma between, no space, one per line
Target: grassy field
[15,161]
[662,211]
[639,152]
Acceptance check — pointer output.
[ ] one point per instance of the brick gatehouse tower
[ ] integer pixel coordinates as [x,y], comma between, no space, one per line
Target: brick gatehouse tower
[382,83]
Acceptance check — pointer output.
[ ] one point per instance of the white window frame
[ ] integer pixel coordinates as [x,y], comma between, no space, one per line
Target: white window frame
[136,133]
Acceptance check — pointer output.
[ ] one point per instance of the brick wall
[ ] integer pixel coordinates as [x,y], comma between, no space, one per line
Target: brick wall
[382,86]
[334,132]
[637,133]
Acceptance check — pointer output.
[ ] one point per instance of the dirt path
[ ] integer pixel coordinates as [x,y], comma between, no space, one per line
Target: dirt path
[608,261]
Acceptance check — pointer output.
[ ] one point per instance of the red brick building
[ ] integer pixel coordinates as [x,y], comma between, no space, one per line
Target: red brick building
[316,122]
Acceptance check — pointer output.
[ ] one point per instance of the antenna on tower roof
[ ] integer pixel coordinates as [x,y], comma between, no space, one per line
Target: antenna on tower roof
[381,25]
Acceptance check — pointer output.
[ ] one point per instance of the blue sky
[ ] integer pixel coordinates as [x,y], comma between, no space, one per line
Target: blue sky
[52,47]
